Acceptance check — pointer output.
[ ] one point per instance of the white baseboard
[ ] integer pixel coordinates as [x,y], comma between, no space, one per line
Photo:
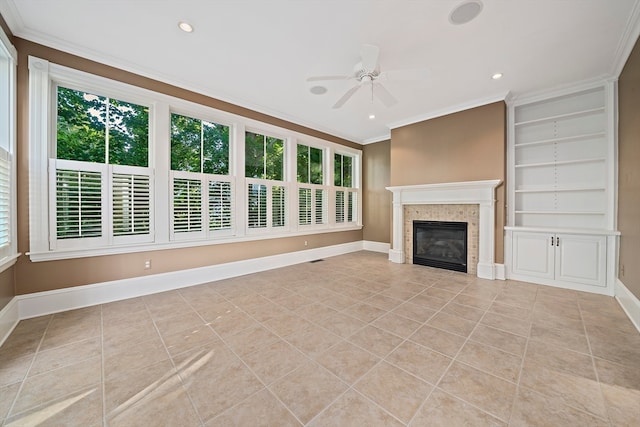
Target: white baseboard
[9,318]
[396,256]
[629,302]
[368,245]
[41,303]
[501,272]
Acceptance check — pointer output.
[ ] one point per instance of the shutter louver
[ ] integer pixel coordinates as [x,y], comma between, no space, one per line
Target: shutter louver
[5,175]
[220,202]
[187,205]
[131,204]
[319,205]
[340,206]
[78,204]
[257,205]
[278,206]
[304,206]
[350,203]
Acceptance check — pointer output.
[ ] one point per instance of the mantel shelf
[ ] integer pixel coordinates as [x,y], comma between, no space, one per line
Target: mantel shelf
[562,116]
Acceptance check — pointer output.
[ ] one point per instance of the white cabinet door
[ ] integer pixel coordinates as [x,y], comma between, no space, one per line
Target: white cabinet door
[533,254]
[581,259]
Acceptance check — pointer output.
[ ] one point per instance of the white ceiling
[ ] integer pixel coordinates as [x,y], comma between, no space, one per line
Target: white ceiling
[258,53]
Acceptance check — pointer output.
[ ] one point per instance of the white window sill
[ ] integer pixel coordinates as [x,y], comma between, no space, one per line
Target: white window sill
[7,262]
[114,250]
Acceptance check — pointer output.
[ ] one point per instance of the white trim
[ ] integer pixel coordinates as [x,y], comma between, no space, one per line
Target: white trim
[7,262]
[380,138]
[41,303]
[369,245]
[557,91]
[501,272]
[481,193]
[449,110]
[627,41]
[629,303]
[9,318]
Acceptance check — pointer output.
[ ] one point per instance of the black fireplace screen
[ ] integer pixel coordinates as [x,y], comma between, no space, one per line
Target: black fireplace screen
[441,244]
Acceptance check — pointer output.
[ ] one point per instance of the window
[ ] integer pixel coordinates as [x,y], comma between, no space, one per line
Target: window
[264,170]
[346,197]
[311,193]
[130,170]
[102,181]
[201,188]
[8,248]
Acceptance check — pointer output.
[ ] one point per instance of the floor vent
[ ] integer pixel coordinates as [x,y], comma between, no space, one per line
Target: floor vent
[316,260]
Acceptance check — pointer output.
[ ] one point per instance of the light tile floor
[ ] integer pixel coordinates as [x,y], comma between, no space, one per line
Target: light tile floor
[350,341]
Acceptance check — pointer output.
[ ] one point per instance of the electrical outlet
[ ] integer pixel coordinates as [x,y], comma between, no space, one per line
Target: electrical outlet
[305,243]
[622,270]
[147,264]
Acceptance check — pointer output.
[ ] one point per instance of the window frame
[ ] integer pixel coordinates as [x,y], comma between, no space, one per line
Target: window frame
[41,75]
[9,252]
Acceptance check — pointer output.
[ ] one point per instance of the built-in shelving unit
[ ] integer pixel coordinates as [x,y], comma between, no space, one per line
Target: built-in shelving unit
[561,179]
[560,153]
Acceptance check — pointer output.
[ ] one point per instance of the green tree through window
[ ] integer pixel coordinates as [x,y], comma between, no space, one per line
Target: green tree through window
[98,129]
[199,146]
[264,157]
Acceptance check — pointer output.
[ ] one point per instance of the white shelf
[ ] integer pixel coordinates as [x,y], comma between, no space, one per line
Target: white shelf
[562,162]
[559,213]
[563,139]
[559,189]
[562,116]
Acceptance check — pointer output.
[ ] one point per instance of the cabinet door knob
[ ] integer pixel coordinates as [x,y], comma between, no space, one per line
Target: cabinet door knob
[552,240]
[557,241]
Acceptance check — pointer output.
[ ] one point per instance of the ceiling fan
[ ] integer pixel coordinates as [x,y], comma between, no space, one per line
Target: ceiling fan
[367,73]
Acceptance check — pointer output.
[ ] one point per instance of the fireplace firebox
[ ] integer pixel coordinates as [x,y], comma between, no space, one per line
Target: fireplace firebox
[440,244]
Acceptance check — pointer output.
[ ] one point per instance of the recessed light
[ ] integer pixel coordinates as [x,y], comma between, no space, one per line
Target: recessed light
[465,12]
[318,90]
[372,116]
[185,26]
[497,76]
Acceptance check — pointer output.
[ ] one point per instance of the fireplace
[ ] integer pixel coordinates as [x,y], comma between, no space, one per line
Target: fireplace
[440,244]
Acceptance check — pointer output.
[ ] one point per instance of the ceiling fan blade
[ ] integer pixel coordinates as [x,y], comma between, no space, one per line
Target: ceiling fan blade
[323,78]
[346,96]
[411,74]
[383,95]
[369,54]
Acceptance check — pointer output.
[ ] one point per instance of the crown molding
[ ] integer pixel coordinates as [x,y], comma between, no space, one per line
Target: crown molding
[627,41]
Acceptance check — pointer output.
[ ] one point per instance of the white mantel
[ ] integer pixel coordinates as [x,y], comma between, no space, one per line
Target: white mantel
[481,193]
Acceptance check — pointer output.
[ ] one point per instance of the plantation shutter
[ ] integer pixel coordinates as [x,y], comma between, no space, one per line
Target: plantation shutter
[220,203]
[131,204]
[340,206]
[5,175]
[350,203]
[319,205]
[187,205]
[78,203]
[257,198]
[304,206]
[278,206]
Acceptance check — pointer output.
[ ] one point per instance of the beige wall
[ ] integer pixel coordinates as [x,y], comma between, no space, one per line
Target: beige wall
[42,276]
[7,289]
[629,171]
[466,146]
[376,207]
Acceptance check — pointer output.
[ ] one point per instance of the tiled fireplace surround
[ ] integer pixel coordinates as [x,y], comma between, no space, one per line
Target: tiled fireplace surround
[472,202]
[459,213]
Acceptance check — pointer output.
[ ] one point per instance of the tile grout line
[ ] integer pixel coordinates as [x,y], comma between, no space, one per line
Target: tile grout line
[265,386]
[454,359]
[595,369]
[524,355]
[26,374]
